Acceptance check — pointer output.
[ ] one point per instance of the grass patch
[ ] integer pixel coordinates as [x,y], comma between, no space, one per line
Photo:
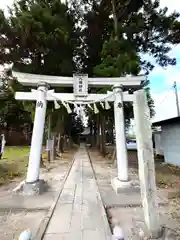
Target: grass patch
[13,163]
[14,153]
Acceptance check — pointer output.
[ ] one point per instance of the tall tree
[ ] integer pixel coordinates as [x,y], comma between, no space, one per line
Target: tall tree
[38,37]
[134,28]
[140,27]
[146,27]
[42,37]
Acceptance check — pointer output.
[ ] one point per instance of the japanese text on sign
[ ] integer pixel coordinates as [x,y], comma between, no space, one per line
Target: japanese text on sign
[80,84]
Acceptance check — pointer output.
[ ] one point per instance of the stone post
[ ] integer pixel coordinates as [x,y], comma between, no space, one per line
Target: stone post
[121,150]
[3,142]
[37,135]
[146,162]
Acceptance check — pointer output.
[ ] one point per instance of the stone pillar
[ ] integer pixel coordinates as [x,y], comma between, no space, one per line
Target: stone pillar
[146,163]
[37,135]
[3,142]
[121,150]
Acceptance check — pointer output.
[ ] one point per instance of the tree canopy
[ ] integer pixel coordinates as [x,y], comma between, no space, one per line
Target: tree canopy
[101,38]
[41,37]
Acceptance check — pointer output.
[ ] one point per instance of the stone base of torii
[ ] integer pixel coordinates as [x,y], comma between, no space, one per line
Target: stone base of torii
[32,184]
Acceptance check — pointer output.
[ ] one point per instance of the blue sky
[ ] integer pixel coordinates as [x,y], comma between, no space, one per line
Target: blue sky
[161,80]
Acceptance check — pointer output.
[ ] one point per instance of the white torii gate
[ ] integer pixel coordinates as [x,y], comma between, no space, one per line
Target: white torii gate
[81,84]
[142,126]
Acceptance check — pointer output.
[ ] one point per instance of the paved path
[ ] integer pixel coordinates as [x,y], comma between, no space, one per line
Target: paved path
[79,213]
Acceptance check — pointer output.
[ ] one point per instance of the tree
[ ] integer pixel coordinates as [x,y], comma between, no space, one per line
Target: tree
[139,27]
[48,37]
[41,37]
[148,28]
[74,127]
[4,31]
[12,113]
[136,28]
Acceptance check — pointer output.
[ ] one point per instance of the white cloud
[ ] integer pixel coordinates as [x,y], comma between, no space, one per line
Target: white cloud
[174,77]
[5,3]
[165,105]
[169,74]
[172,5]
[173,52]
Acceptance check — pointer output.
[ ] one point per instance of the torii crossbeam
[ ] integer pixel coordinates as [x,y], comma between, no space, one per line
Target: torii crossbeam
[32,96]
[27,79]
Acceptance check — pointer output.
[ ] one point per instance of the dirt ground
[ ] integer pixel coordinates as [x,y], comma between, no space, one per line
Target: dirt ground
[19,213]
[128,204]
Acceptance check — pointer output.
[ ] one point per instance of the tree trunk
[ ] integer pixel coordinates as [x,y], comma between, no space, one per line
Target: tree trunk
[61,145]
[58,142]
[102,135]
[112,134]
[53,145]
[49,137]
[98,133]
[91,132]
[94,133]
[116,32]
[61,134]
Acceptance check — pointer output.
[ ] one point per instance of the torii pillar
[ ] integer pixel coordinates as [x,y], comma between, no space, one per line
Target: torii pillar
[122,180]
[33,185]
[37,135]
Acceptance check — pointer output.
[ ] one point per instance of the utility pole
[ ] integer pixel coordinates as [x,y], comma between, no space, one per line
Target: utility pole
[177,99]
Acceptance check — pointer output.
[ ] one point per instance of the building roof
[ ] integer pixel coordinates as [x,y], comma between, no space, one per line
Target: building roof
[167,121]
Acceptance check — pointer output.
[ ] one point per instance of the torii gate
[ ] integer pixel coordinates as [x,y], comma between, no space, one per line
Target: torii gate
[80,95]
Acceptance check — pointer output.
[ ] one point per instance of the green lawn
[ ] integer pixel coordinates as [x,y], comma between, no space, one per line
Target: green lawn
[15,153]
[13,163]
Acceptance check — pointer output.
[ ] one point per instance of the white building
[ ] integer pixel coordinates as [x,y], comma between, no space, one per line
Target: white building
[167,142]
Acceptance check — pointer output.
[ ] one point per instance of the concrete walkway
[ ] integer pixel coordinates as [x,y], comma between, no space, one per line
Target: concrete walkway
[79,213]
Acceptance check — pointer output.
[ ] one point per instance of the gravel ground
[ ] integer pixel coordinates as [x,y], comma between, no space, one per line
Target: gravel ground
[14,221]
[128,217]
[12,224]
